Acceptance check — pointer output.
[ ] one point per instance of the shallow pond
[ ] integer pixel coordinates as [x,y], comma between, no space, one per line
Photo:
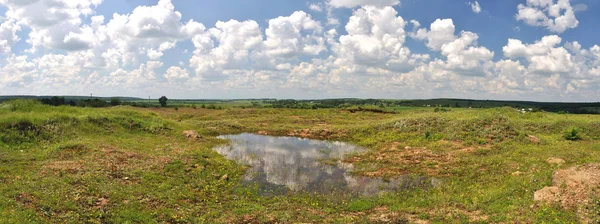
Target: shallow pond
[281,165]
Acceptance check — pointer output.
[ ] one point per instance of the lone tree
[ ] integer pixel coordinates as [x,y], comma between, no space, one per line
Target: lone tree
[115,101]
[163,101]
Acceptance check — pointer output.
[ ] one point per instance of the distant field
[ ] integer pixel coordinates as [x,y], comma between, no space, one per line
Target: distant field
[125,164]
[380,104]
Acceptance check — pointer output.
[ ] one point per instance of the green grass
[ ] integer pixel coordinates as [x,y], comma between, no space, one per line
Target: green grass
[133,165]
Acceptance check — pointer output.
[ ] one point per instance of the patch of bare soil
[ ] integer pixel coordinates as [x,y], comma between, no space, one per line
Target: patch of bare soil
[397,160]
[72,151]
[533,139]
[459,147]
[191,134]
[26,200]
[323,133]
[384,215]
[573,188]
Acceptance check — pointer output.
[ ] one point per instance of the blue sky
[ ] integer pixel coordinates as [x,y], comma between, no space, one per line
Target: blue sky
[302,49]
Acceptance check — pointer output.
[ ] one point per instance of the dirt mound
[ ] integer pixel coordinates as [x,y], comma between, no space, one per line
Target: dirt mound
[573,188]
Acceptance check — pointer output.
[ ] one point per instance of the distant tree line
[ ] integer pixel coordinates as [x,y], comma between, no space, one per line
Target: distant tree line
[60,101]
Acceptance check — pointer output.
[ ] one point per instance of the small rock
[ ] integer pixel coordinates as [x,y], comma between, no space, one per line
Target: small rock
[225,177]
[518,173]
[125,178]
[553,160]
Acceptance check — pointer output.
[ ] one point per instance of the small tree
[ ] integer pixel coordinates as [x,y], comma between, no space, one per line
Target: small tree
[163,101]
[115,102]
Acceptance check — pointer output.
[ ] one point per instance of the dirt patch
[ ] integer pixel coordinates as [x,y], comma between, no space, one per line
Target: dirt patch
[384,215]
[459,147]
[71,151]
[533,139]
[475,216]
[26,200]
[323,133]
[101,202]
[191,134]
[573,188]
[397,160]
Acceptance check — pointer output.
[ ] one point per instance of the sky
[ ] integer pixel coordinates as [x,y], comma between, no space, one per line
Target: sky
[542,50]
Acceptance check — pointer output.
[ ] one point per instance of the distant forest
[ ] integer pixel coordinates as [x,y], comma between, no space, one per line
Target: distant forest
[379,104]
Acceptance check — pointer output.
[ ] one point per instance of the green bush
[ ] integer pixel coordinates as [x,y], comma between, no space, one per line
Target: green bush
[573,134]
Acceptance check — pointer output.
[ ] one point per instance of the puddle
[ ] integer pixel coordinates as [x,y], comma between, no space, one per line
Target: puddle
[282,165]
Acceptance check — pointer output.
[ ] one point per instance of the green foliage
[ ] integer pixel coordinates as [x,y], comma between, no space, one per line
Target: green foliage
[360,205]
[573,134]
[115,102]
[163,101]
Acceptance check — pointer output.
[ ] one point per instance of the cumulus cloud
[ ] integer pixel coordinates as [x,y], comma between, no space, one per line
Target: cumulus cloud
[543,56]
[293,55]
[8,36]
[55,24]
[176,73]
[375,38]
[294,35]
[441,32]
[17,71]
[556,15]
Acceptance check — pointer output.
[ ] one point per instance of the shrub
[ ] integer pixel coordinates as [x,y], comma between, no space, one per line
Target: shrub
[115,102]
[573,134]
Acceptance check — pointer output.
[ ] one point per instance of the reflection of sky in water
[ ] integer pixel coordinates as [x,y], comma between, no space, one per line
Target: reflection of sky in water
[296,164]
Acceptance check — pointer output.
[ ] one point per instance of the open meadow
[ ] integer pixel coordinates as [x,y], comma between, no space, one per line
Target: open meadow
[135,165]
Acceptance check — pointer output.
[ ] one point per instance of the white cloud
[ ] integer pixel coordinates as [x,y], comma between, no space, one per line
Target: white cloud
[556,17]
[8,36]
[315,7]
[376,38]
[294,35]
[356,3]
[55,24]
[475,7]
[441,32]
[237,44]
[150,29]
[569,68]
[176,73]
[17,72]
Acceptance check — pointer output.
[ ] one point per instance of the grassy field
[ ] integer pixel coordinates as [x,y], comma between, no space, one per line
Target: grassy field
[133,165]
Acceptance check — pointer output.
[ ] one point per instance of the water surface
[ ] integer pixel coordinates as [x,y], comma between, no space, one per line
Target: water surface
[282,165]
